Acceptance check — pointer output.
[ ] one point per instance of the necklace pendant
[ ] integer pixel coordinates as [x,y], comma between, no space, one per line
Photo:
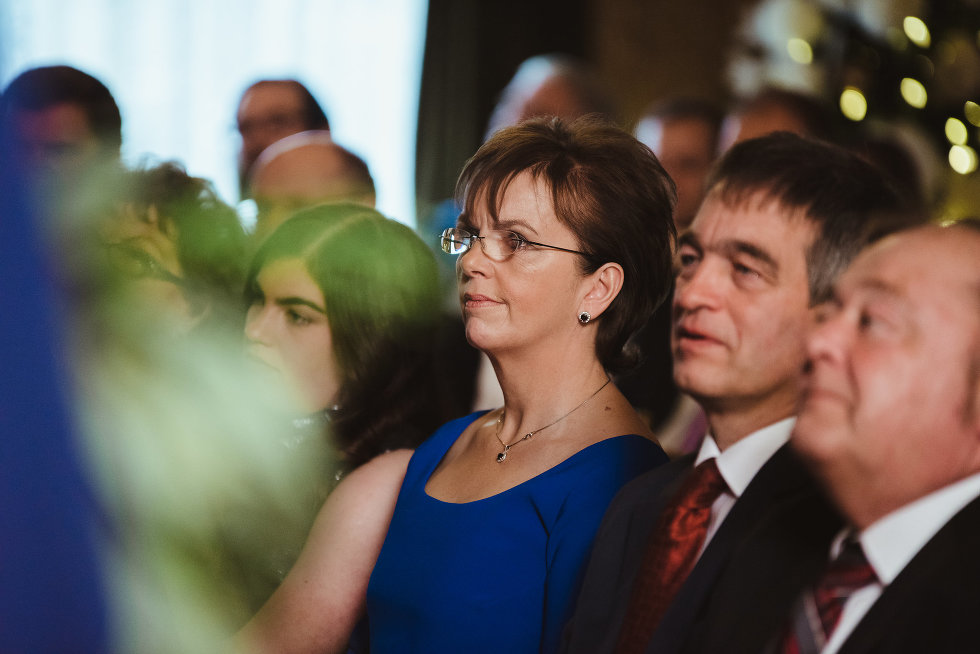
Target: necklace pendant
[502,456]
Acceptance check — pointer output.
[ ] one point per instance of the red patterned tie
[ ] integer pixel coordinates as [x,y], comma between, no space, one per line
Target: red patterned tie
[816,613]
[670,555]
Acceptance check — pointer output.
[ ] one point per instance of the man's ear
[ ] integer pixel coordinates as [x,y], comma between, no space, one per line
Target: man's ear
[602,287]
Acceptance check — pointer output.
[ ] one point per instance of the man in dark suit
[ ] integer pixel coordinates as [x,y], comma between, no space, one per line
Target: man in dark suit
[782,218]
[890,424]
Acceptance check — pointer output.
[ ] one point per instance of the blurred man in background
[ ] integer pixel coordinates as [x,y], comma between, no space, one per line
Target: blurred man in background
[269,110]
[303,170]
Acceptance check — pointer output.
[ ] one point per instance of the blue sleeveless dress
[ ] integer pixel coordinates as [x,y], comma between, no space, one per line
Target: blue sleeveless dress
[498,574]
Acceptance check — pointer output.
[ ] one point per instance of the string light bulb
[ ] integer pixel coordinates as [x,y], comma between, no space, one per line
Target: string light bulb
[917,31]
[956,131]
[914,92]
[853,104]
[963,159]
[799,50]
[972,112]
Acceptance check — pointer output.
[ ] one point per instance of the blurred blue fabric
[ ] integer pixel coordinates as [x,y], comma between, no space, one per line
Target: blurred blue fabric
[51,587]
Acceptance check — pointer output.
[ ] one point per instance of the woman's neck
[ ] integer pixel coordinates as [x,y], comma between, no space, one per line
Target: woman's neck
[539,389]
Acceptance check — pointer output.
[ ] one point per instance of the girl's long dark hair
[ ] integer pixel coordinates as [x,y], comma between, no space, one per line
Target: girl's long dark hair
[380,288]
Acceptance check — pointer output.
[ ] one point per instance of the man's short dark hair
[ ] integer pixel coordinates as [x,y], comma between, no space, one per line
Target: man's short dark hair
[849,199]
[37,89]
[313,115]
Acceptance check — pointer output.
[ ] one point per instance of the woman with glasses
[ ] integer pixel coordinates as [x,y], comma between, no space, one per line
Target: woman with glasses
[563,250]
[343,305]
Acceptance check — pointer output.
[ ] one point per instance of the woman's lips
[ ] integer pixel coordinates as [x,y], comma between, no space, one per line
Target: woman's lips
[476,300]
[256,357]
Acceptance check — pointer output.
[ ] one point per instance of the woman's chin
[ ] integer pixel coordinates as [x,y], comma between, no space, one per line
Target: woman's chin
[478,336]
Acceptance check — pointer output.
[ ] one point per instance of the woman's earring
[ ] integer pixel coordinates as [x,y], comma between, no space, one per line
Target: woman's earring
[584,317]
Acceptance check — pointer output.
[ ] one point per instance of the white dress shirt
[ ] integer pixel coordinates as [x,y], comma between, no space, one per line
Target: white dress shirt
[739,464]
[892,541]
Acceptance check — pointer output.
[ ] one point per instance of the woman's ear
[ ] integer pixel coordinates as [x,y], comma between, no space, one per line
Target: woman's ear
[602,287]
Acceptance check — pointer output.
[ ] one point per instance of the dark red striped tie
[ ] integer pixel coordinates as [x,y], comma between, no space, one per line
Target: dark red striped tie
[670,555]
[818,610]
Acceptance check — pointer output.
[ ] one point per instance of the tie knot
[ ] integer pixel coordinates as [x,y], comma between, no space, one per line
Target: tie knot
[850,570]
[705,484]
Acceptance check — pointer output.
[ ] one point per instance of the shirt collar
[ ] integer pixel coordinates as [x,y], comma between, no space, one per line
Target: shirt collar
[892,541]
[741,461]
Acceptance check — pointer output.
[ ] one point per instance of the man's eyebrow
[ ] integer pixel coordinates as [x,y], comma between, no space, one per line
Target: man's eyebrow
[292,301]
[689,238]
[883,289]
[734,247]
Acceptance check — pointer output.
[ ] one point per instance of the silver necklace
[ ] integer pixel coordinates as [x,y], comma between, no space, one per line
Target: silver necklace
[502,455]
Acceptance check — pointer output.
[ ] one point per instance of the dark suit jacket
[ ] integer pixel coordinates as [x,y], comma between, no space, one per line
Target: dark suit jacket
[751,599]
[934,603]
[932,606]
[623,536]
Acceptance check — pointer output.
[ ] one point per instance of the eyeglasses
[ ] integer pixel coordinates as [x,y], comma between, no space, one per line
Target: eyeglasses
[498,244]
[136,263]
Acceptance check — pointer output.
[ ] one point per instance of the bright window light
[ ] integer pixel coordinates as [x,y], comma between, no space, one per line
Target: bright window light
[177,70]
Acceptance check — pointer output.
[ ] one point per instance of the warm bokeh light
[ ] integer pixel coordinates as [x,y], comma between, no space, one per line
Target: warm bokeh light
[914,92]
[917,31]
[963,159]
[800,51]
[972,112]
[853,104]
[956,131]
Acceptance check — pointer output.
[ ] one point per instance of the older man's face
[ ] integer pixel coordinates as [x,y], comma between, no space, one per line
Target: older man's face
[891,393]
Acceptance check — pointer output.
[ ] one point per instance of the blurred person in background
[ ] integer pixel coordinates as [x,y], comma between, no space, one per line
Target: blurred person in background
[60,120]
[342,308]
[182,246]
[564,245]
[303,170]
[175,430]
[551,85]
[271,109]
[683,133]
[774,109]
[63,128]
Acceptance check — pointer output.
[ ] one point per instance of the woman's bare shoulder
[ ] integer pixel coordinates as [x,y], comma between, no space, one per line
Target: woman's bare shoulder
[381,476]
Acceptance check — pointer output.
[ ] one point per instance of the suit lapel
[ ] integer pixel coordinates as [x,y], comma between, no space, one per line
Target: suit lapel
[781,479]
[930,598]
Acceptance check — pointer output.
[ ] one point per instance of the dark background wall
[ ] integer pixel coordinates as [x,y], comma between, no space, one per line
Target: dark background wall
[643,50]
[648,49]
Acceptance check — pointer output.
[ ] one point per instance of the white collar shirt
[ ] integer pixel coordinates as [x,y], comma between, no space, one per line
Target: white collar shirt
[892,541]
[739,464]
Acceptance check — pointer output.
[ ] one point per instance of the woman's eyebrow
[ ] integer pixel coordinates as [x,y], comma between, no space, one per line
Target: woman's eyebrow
[511,223]
[292,301]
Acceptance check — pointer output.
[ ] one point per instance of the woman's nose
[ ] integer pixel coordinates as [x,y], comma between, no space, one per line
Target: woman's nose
[474,260]
[256,320]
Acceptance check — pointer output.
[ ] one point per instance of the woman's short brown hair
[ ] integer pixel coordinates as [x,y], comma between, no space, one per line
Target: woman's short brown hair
[610,190]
